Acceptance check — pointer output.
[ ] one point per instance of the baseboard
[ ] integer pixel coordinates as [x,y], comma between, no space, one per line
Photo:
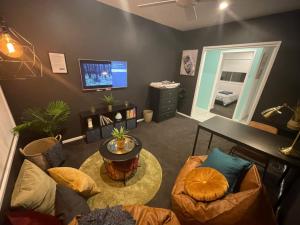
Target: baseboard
[83,136]
[73,139]
[182,114]
[140,120]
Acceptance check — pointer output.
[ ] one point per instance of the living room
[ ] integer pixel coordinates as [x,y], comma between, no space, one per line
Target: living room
[60,45]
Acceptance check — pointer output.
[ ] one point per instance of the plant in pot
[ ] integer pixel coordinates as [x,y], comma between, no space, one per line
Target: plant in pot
[120,136]
[44,122]
[109,101]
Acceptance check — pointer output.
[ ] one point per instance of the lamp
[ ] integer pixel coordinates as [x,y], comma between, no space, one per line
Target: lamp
[9,46]
[18,58]
[290,150]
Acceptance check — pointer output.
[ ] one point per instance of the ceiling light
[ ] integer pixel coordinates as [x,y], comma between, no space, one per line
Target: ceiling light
[8,45]
[223,5]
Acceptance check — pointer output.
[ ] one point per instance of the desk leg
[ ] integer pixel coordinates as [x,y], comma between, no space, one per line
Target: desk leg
[265,170]
[282,189]
[285,186]
[196,139]
[209,143]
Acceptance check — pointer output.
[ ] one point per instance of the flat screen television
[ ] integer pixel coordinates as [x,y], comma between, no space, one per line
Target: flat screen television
[103,75]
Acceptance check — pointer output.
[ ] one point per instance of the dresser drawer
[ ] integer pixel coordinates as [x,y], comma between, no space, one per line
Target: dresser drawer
[168,93]
[164,116]
[167,101]
[167,108]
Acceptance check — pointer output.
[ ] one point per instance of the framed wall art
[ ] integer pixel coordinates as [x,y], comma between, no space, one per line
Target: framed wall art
[188,62]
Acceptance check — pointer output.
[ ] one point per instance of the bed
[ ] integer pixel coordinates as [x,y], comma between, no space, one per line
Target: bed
[226,98]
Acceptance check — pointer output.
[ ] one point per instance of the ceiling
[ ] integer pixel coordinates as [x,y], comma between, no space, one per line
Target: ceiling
[208,13]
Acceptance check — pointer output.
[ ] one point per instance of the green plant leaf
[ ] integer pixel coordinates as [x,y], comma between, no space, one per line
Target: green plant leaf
[48,121]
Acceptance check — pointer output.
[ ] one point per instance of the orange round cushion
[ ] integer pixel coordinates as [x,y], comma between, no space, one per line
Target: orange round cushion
[205,184]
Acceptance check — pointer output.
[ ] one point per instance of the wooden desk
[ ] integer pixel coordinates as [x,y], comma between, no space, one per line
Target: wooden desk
[252,139]
[249,137]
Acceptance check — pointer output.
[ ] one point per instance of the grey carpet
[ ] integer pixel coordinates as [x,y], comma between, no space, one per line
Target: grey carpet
[226,111]
[170,141]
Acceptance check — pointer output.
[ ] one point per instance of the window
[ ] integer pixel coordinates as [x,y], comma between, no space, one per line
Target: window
[233,76]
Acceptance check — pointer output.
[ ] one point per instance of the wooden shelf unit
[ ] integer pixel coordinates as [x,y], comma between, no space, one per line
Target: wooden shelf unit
[99,131]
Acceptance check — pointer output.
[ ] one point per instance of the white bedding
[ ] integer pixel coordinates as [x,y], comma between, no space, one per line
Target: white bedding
[226,99]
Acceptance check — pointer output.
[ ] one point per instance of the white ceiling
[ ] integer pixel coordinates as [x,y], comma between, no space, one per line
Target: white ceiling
[208,13]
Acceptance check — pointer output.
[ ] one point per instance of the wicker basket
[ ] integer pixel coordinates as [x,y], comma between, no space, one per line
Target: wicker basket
[35,149]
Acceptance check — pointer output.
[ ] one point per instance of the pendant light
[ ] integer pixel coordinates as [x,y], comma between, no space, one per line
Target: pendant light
[9,46]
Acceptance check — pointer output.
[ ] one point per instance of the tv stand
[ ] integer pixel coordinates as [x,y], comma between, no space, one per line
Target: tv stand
[100,130]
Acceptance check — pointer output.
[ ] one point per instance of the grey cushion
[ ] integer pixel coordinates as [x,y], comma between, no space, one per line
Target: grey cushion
[69,204]
[55,156]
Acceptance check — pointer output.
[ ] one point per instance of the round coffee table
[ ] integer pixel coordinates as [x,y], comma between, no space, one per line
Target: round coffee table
[121,166]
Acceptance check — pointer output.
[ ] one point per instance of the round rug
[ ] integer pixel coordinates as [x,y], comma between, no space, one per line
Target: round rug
[139,189]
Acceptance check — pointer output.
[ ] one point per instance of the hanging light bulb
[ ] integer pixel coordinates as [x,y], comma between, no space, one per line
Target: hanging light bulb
[9,46]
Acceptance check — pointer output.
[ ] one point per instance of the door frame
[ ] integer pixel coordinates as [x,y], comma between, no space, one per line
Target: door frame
[212,99]
[274,44]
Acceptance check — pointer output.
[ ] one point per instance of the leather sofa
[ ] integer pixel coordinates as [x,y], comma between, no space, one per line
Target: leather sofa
[246,207]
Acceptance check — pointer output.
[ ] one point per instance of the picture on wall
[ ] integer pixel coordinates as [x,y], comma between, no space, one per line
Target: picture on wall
[188,62]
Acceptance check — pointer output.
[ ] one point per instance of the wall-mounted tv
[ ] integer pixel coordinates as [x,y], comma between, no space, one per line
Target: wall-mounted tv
[101,75]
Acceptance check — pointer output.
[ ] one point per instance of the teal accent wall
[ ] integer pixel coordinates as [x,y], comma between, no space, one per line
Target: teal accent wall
[208,77]
[248,85]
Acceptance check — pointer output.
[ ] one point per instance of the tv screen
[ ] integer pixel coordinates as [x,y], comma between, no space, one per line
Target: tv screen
[103,74]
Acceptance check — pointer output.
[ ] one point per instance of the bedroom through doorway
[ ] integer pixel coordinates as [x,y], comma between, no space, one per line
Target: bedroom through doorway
[231,79]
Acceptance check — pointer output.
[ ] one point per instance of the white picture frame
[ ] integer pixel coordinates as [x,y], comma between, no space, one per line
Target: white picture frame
[58,63]
[188,62]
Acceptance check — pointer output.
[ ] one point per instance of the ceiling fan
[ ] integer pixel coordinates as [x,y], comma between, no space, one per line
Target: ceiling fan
[189,6]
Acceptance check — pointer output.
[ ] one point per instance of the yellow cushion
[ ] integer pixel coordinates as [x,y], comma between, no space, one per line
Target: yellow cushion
[75,180]
[34,189]
[205,184]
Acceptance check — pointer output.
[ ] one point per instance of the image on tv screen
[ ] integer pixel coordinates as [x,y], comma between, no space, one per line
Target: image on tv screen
[103,74]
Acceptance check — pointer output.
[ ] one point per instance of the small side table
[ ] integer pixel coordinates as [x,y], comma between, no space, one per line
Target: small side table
[121,167]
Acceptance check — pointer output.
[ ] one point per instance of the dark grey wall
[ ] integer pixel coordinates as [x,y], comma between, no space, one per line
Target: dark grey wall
[90,30]
[284,81]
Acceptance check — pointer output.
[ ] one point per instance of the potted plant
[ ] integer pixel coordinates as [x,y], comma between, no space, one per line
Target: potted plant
[45,121]
[109,100]
[120,136]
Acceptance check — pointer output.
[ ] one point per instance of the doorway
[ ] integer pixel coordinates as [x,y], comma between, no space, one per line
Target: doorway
[231,79]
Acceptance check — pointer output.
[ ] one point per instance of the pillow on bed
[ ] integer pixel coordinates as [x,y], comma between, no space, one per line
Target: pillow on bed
[34,189]
[226,92]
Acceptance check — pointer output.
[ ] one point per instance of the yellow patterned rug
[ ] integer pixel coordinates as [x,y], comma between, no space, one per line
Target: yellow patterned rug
[139,189]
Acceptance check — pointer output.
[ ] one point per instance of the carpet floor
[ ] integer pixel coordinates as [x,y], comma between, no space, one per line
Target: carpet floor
[139,189]
[170,141]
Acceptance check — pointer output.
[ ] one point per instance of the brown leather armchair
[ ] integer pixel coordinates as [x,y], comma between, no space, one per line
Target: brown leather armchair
[246,207]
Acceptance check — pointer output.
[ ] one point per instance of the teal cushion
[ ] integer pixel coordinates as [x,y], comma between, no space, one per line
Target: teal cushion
[232,167]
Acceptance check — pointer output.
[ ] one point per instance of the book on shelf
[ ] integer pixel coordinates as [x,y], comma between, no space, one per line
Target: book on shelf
[104,121]
[130,114]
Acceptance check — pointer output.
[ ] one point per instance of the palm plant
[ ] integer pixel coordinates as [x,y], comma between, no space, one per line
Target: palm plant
[119,134]
[109,99]
[48,121]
